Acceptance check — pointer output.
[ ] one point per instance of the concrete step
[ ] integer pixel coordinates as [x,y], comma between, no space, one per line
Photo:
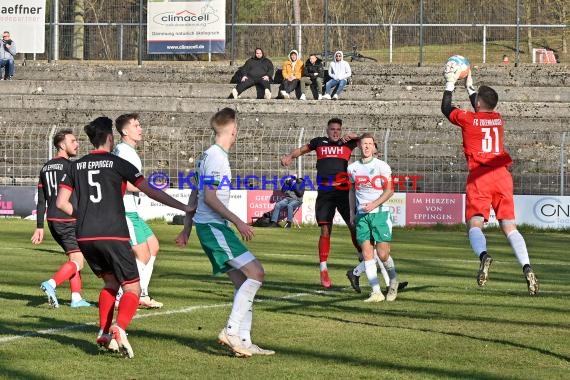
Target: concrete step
[220,72]
[118,104]
[221,91]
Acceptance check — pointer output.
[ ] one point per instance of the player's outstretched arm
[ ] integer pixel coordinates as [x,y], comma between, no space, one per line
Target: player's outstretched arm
[297,152]
[215,204]
[349,136]
[162,197]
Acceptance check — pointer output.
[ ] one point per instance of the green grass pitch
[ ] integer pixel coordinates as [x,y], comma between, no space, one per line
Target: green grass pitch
[441,326]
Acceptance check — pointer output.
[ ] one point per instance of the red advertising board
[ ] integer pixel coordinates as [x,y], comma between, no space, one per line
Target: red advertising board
[261,201]
[433,208]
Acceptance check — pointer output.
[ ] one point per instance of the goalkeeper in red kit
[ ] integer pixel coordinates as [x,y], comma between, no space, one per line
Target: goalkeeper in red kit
[489,182]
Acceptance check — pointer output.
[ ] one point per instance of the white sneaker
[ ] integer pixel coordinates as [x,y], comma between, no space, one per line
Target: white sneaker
[120,336]
[303,97]
[284,94]
[234,343]
[392,291]
[235,93]
[267,94]
[256,350]
[326,97]
[375,297]
[149,303]
[320,97]
[335,97]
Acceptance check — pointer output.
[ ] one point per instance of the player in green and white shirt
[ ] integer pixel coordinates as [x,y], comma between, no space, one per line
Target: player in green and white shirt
[371,180]
[142,239]
[220,243]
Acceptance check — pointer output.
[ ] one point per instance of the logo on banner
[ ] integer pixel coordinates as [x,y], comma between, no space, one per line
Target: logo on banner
[185,17]
[551,210]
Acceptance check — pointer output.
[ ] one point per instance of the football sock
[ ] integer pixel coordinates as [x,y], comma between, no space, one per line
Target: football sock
[323,265]
[390,268]
[324,248]
[372,275]
[359,269]
[106,308]
[245,327]
[76,297]
[518,245]
[145,279]
[65,272]
[477,240]
[141,267]
[127,309]
[75,283]
[382,269]
[243,302]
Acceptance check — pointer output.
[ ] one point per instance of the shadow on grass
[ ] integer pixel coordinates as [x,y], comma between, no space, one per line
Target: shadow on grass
[446,333]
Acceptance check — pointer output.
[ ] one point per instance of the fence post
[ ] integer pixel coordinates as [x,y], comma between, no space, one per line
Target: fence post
[484,43]
[50,139]
[391,41]
[326,39]
[233,47]
[121,42]
[517,43]
[421,58]
[300,158]
[386,138]
[562,161]
[56,30]
[140,31]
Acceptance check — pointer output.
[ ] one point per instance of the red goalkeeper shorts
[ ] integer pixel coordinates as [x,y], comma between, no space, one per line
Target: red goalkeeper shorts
[488,187]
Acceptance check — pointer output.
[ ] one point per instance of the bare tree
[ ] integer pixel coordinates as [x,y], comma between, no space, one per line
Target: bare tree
[78,29]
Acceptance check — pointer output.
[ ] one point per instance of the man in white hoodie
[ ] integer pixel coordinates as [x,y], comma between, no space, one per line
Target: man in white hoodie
[339,71]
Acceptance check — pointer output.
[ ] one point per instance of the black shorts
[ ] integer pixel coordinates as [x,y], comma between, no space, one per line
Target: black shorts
[64,234]
[330,200]
[111,256]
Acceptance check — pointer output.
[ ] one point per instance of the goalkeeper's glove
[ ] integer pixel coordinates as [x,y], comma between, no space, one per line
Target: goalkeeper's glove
[469,84]
[451,74]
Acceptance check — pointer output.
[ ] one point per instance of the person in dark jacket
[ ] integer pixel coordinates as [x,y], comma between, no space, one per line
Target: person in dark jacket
[258,71]
[313,76]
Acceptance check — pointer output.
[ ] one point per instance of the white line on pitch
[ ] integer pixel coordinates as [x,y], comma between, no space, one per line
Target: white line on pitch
[188,309]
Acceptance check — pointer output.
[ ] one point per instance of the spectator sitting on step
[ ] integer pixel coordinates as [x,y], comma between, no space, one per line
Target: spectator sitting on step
[293,191]
[7,53]
[339,71]
[292,73]
[312,80]
[258,71]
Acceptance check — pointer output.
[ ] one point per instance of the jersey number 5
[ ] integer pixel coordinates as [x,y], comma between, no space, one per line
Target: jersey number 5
[95,198]
[490,142]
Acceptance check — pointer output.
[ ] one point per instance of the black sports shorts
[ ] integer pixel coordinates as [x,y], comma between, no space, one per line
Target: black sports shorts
[111,256]
[330,200]
[64,234]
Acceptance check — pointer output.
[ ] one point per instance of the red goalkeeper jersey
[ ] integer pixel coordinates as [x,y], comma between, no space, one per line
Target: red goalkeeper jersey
[482,138]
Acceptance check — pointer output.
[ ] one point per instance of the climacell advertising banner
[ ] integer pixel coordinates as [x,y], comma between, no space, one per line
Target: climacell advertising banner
[186,27]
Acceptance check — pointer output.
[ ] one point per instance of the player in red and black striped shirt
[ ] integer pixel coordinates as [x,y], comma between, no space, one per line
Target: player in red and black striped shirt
[61,225]
[489,182]
[333,153]
[99,180]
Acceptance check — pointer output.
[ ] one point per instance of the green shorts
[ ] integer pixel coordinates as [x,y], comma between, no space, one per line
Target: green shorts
[221,245]
[139,231]
[375,227]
